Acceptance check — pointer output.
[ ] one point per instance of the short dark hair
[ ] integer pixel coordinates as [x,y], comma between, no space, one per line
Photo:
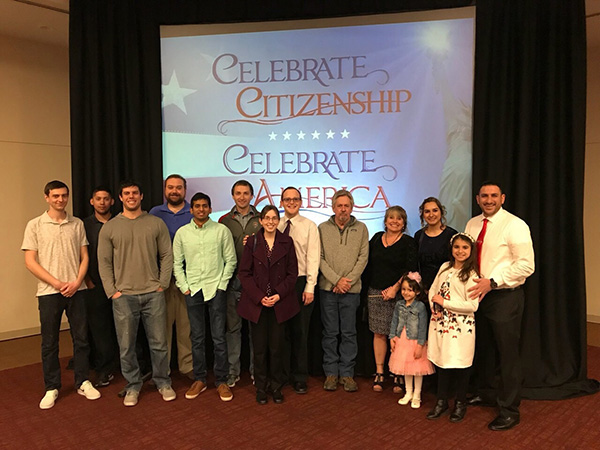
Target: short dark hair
[129,183]
[176,175]
[100,189]
[491,183]
[55,184]
[242,183]
[294,188]
[268,208]
[200,196]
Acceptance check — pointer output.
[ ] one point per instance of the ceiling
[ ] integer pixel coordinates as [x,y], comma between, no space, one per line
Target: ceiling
[47,21]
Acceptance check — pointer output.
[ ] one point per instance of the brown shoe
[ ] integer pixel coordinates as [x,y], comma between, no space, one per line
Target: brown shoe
[224,392]
[198,387]
[349,384]
[331,383]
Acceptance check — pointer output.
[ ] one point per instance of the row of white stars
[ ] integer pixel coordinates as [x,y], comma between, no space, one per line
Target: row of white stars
[315,135]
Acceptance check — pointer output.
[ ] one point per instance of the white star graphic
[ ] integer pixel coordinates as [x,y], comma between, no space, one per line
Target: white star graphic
[345,134]
[330,134]
[272,136]
[173,94]
[286,136]
[315,134]
[301,135]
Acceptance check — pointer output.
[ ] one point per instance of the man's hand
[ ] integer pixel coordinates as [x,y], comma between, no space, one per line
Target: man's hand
[482,287]
[116,295]
[307,298]
[188,292]
[344,285]
[69,289]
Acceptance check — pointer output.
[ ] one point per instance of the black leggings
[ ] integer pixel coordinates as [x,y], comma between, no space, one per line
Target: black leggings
[461,381]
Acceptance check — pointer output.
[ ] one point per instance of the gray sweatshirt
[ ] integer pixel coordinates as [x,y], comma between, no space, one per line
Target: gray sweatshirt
[134,255]
[344,253]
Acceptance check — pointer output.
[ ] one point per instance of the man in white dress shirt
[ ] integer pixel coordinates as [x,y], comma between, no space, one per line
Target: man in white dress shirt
[506,259]
[305,234]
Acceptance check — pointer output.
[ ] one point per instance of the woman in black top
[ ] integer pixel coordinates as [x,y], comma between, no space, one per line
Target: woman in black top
[433,240]
[391,254]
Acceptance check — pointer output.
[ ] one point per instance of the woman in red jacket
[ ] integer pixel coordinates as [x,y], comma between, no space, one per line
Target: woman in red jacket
[268,272]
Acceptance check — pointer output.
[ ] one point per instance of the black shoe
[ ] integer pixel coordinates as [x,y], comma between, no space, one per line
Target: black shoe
[504,423]
[458,414]
[478,400]
[261,397]
[104,380]
[277,396]
[440,408]
[300,387]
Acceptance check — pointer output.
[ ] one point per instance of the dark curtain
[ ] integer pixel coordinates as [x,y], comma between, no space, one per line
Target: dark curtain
[529,134]
[529,119]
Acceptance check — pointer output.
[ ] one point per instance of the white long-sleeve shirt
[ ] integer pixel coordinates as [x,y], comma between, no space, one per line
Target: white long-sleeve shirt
[305,234]
[507,252]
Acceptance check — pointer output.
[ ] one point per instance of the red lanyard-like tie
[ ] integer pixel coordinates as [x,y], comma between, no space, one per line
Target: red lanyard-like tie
[480,241]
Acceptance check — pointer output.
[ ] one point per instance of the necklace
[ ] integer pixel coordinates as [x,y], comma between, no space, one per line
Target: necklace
[385,239]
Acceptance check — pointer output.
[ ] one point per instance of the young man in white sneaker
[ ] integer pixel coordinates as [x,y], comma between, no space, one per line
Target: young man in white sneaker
[135,261]
[56,254]
[203,262]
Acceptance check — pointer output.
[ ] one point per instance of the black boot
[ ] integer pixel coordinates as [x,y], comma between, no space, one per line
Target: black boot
[440,408]
[460,409]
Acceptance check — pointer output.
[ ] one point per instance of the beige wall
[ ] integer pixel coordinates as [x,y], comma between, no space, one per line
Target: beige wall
[34,148]
[591,205]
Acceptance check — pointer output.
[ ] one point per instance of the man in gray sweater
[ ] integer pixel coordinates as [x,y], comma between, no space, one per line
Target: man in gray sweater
[135,261]
[344,255]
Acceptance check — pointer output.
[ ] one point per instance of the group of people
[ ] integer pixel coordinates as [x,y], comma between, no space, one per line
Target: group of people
[174,265]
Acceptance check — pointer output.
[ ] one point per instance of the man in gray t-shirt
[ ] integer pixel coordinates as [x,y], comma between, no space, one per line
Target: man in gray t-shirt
[135,261]
[56,254]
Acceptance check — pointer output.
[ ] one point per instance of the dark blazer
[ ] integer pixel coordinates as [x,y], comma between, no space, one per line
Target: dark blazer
[255,273]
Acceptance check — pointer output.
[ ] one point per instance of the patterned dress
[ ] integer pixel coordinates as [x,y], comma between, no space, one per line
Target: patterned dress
[452,336]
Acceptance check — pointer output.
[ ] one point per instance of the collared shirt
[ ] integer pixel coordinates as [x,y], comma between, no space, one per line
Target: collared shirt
[209,256]
[92,230]
[305,234]
[174,221]
[507,251]
[243,219]
[58,246]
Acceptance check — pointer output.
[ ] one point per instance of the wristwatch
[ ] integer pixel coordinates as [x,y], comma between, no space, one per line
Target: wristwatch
[493,284]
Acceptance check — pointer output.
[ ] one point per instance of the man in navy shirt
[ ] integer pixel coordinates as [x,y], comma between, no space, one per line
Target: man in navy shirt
[175,212]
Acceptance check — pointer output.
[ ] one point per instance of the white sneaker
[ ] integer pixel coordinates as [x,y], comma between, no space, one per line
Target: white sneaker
[406,399]
[415,403]
[48,400]
[168,394]
[131,398]
[90,392]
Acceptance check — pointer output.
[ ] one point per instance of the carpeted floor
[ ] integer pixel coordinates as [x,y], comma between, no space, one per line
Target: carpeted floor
[318,420]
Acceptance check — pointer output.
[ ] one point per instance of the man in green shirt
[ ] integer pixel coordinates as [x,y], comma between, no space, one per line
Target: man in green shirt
[203,262]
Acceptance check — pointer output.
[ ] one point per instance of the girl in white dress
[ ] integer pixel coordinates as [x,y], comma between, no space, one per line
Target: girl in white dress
[452,327]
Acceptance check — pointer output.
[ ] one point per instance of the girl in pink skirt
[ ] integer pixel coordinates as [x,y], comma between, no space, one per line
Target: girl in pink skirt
[408,339]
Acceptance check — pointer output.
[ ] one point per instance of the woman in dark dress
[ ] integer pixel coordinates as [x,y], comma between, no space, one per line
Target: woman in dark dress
[268,272]
[391,254]
[433,240]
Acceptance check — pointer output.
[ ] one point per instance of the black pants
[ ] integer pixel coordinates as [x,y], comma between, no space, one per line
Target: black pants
[297,336]
[268,342]
[51,309]
[460,377]
[498,334]
[104,350]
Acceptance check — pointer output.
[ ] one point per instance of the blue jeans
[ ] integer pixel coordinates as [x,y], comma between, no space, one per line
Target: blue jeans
[217,312]
[338,314]
[51,309]
[150,307]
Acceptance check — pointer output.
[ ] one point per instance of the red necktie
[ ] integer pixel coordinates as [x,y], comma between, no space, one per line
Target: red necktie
[480,242]
[287,228]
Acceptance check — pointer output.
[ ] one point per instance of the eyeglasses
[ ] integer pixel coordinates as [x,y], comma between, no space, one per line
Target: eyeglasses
[291,200]
[270,219]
